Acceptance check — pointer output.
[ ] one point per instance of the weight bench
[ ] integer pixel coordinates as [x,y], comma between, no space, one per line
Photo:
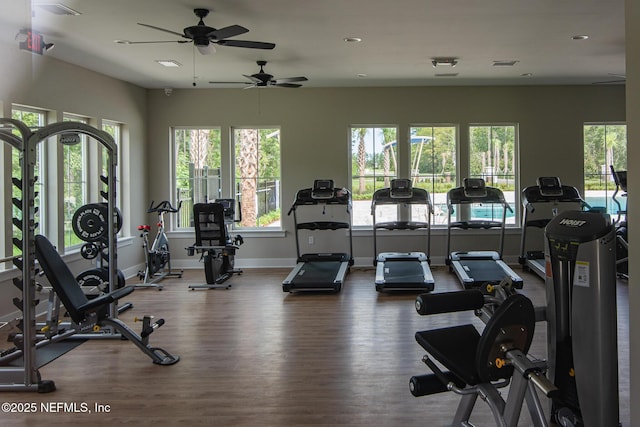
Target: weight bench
[214,242]
[480,364]
[88,313]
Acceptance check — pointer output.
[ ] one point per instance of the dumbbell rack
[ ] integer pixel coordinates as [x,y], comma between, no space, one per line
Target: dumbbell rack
[26,377]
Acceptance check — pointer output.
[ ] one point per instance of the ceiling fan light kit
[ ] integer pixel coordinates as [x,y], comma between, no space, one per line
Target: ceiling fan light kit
[204,37]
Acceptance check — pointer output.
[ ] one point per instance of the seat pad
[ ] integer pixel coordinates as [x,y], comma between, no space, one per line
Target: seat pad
[454,347]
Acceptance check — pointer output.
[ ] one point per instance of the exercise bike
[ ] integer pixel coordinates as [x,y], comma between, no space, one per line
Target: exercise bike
[622,242]
[157,256]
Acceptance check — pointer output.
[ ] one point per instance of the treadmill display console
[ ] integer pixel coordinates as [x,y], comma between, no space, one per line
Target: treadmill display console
[401,189]
[474,187]
[550,186]
[322,189]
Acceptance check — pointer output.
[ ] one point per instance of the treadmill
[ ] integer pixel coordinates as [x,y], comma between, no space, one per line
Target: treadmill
[551,192]
[320,271]
[478,269]
[402,270]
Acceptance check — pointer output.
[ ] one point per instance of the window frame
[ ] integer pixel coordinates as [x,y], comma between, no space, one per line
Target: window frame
[440,206]
[605,175]
[354,175]
[235,193]
[514,204]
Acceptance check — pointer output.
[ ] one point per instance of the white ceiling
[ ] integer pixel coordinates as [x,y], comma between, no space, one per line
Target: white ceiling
[399,40]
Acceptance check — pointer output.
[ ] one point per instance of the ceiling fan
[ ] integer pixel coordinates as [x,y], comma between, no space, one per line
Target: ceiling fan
[204,37]
[262,79]
[621,79]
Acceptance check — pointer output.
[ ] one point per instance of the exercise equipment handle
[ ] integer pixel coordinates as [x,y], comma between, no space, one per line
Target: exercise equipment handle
[149,329]
[543,383]
[164,206]
[447,302]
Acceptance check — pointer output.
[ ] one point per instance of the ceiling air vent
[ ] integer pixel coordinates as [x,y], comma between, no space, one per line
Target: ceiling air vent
[503,63]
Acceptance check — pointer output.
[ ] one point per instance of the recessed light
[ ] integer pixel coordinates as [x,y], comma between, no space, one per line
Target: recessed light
[352,39]
[122,41]
[580,37]
[526,75]
[447,62]
[168,63]
[505,63]
[361,75]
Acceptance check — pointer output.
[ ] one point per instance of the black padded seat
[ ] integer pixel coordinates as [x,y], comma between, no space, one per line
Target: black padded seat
[471,356]
[454,347]
[67,288]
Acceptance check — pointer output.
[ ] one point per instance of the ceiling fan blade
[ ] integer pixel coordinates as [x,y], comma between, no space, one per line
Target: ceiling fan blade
[610,82]
[286,85]
[226,32]
[231,83]
[153,41]
[253,79]
[246,43]
[163,29]
[291,79]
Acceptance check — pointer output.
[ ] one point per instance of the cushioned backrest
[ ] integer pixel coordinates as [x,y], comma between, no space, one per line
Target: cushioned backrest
[62,280]
[209,224]
[512,326]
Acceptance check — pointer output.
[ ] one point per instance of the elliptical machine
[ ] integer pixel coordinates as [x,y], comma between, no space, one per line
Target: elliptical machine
[157,256]
[622,242]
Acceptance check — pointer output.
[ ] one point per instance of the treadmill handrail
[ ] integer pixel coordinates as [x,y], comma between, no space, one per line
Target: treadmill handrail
[341,196]
[322,225]
[457,196]
[304,197]
[419,196]
[492,195]
[476,224]
[532,195]
[402,225]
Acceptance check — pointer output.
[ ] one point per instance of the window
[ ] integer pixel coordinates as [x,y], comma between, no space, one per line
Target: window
[197,158]
[32,118]
[257,176]
[493,156]
[434,165]
[605,145]
[74,169]
[374,163]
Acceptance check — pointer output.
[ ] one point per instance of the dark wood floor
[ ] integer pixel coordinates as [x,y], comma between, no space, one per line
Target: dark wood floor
[255,356]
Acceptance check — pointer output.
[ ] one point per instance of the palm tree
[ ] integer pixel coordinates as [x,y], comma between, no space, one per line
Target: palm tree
[389,135]
[198,150]
[248,165]
[362,159]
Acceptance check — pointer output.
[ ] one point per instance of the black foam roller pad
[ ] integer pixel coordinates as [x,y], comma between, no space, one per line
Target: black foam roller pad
[447,302]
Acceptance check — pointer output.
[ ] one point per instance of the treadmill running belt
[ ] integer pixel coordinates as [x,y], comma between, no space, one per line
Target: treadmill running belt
[403,271]
[317,273]
[482,271]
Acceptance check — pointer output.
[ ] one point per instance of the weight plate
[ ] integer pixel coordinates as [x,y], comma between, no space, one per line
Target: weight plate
[89,251]
[89,223]
[96,280]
